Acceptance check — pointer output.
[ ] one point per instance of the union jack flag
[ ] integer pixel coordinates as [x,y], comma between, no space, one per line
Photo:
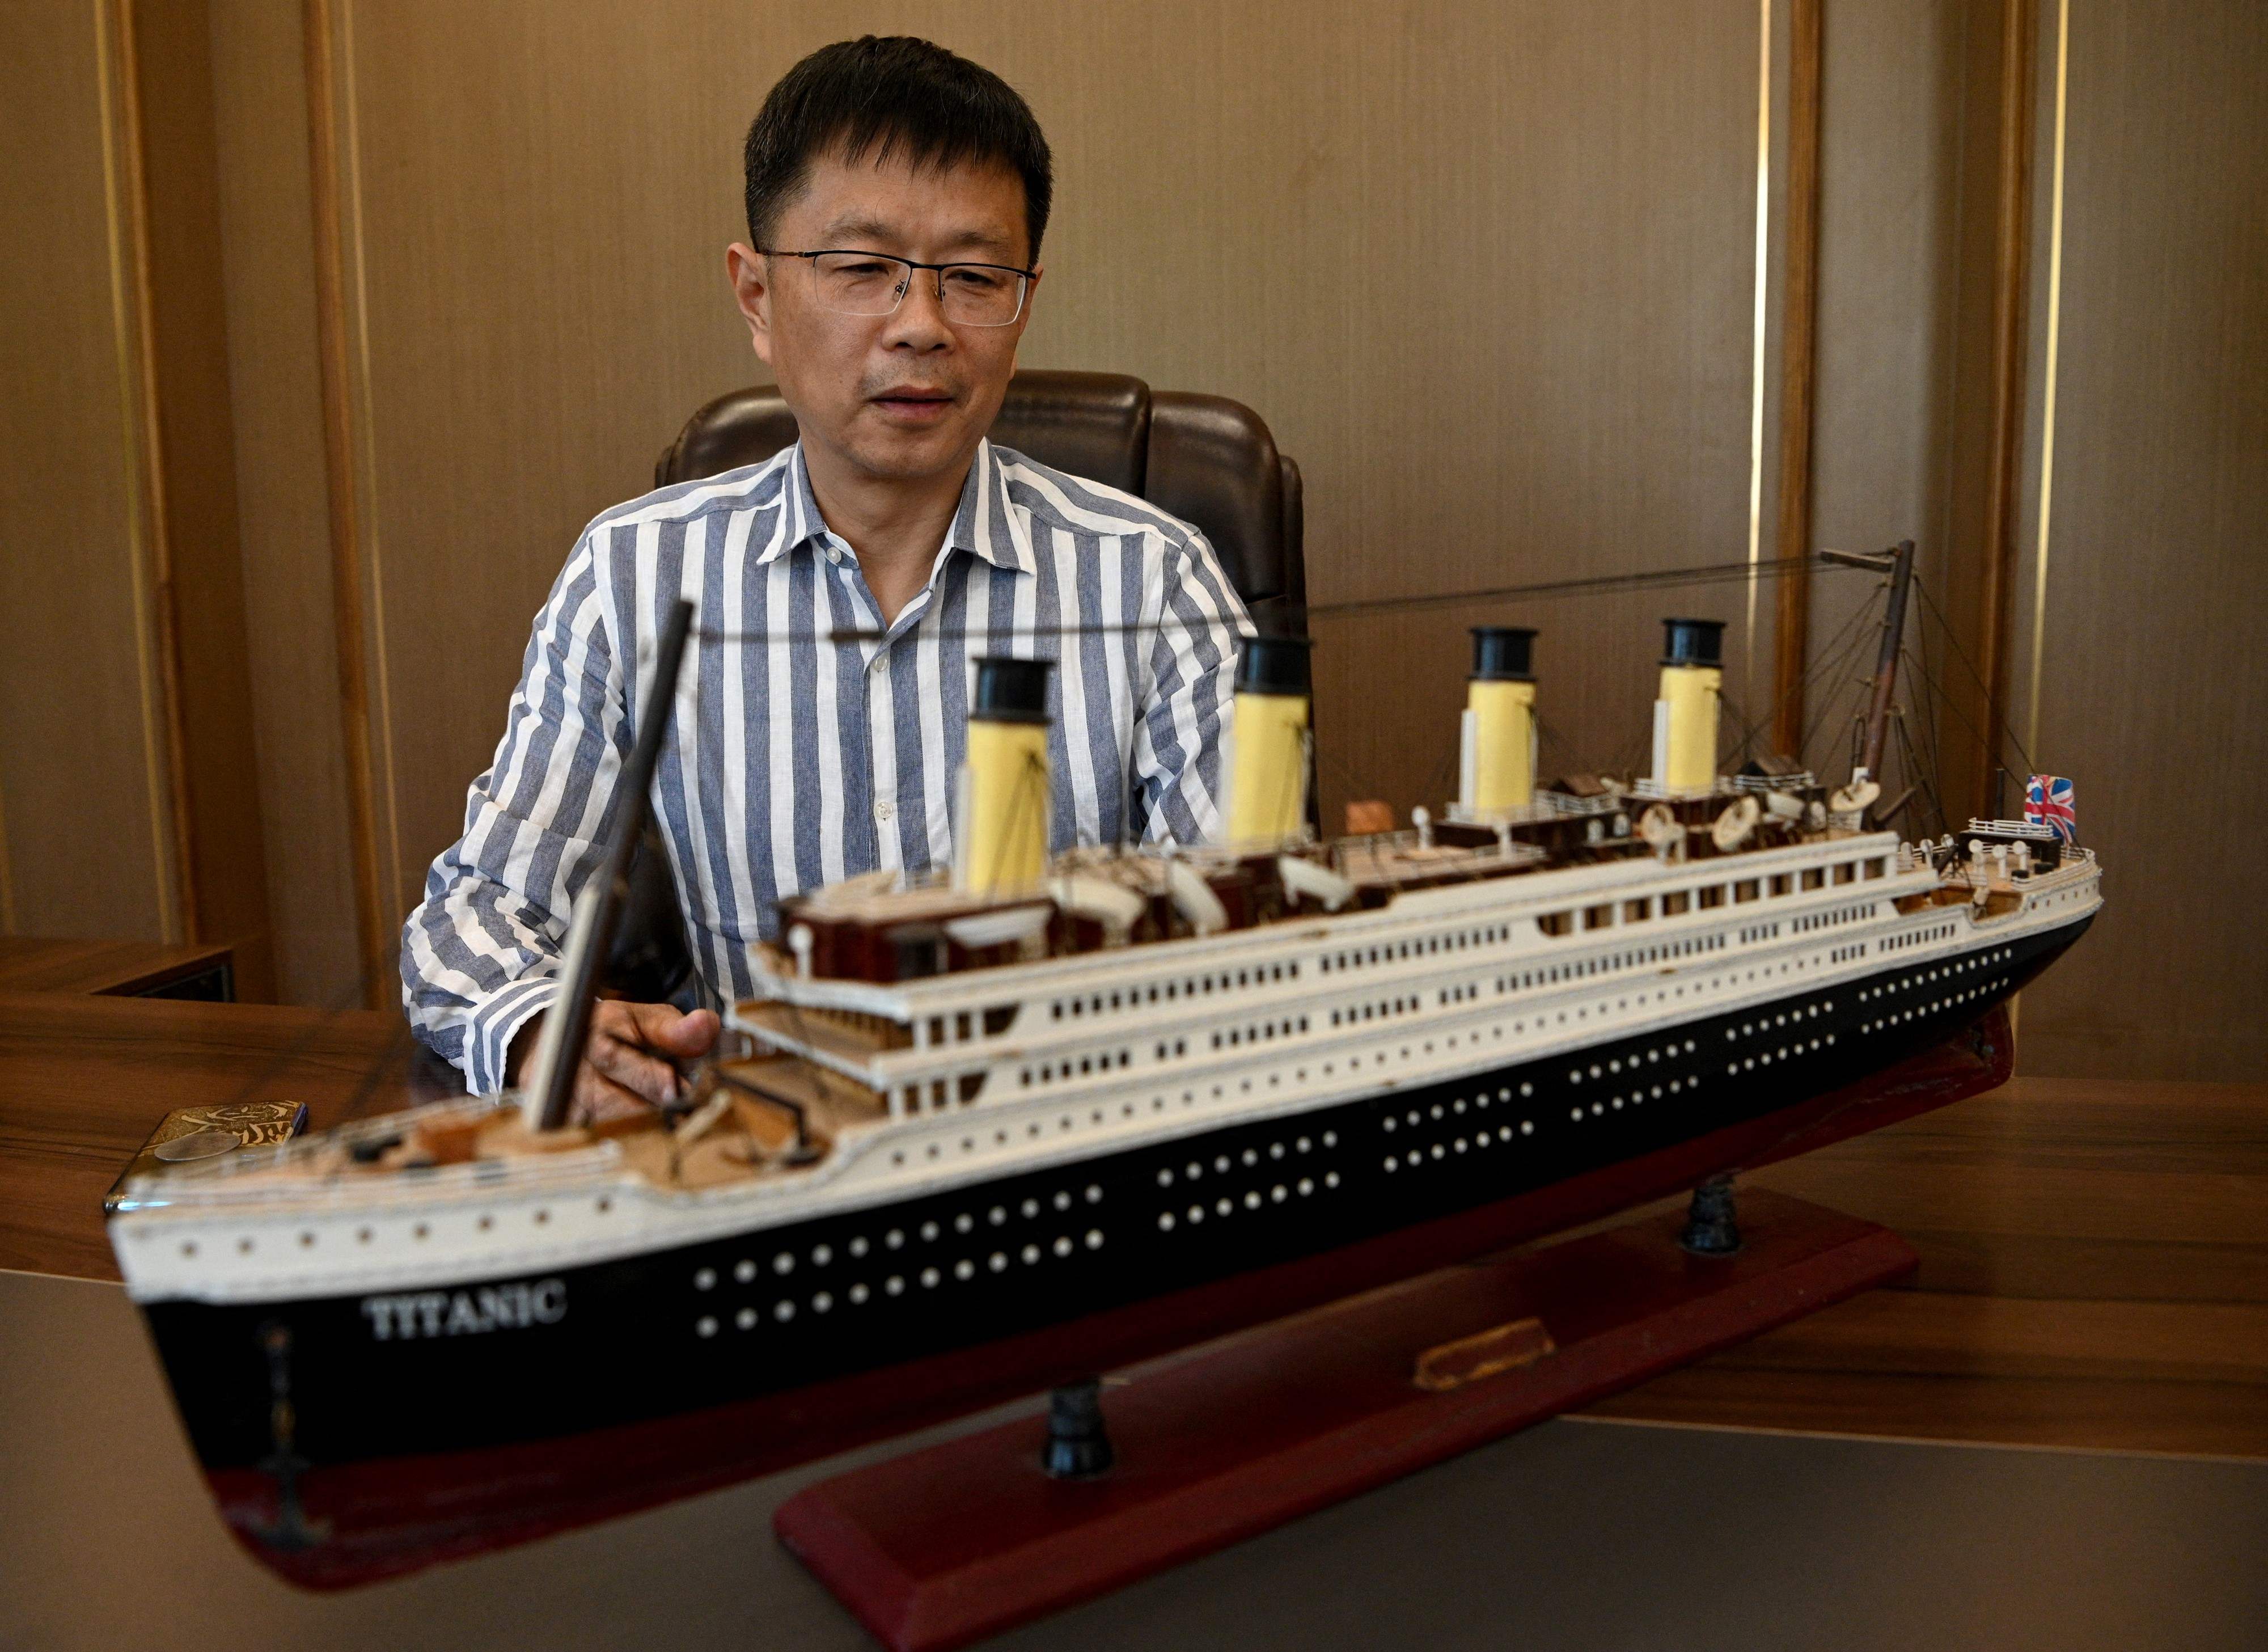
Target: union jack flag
[2047,802]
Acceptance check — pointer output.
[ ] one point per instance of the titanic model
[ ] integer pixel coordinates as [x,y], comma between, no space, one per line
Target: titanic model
[1003,1127]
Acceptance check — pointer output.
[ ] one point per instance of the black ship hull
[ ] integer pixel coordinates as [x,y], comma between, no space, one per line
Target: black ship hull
[427,1424]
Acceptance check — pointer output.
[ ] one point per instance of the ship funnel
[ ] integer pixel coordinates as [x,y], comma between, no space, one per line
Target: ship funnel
[1268,786]
[1002,844]
[1500,722]
[1685,716]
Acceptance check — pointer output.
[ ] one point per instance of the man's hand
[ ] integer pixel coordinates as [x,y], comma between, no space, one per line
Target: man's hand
[626,1062]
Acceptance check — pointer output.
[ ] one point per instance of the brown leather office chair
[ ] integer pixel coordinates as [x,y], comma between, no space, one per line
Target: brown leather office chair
[1205,458]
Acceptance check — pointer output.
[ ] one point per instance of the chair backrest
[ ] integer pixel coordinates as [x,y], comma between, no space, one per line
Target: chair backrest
[1205,458]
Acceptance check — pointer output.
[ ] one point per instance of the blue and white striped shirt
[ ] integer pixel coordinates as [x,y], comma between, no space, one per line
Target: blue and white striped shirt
[792,760]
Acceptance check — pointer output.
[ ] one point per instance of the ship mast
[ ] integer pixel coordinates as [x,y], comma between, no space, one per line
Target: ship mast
[1886,663]
[591,933]
[1865,779]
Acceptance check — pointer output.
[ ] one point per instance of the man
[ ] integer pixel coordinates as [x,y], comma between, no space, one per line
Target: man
[896,198]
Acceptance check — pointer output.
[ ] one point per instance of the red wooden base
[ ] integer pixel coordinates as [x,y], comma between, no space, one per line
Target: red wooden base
[947,1545]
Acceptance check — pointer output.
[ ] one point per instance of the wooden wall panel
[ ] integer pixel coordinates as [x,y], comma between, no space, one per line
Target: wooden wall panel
[1486,269]
[1890,369]
[83,747]
[260,96]
[198,588]
[2156,593]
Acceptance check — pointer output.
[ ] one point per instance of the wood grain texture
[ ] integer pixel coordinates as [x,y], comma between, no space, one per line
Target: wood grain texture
[1891,393]
[75,746]
[1271,212]
[84,1080]
[1485,269]
[198,594]
[953,1542]
[125,969]
[1799,361]
[333,175]
[2094,1272]
[2157,592]
[134,278]
[266,223]
[2012,282]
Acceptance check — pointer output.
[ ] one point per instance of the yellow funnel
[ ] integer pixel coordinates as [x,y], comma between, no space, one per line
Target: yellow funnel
[1004,823]
[1685,716]
[1499,772]
[1267,784]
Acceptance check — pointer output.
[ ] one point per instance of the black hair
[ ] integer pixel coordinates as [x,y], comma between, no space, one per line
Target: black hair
[892,95]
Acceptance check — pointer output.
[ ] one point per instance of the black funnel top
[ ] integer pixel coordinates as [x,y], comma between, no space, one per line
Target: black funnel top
[1692,642]
[1274,665]
[1012,690]
[1501,653]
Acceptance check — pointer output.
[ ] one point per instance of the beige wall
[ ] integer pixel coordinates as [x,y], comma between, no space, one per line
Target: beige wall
[267,225]
[86,837]
[1485,269]
[1488,270]
[2157,588]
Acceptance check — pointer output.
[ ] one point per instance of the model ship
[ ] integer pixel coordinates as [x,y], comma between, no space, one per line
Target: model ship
[1035,1117]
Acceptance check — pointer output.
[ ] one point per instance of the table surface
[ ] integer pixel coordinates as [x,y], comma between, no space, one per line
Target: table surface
[2094,1254]
[84,1080]
[1570,1535]
[30,964]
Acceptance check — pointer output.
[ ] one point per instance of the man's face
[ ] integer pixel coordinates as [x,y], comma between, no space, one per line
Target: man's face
[906,395]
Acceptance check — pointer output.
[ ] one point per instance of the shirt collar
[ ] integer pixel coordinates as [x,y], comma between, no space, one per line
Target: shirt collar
[985,524]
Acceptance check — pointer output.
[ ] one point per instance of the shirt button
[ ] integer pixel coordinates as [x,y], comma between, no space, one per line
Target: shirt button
[884,811]
[835,555]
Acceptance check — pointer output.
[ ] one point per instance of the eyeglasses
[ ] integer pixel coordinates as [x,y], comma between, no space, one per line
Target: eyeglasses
[872,284]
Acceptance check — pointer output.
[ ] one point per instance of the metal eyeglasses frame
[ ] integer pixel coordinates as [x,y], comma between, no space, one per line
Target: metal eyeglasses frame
[1024,278]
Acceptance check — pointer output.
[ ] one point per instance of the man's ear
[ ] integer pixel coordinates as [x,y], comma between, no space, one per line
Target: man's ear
[752,291]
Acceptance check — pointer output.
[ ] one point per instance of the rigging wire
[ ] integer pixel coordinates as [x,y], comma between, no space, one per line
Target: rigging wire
[1659,579]
[1849,685]
[1916,770]
[1953,641]
[1932,699]
[1824,656]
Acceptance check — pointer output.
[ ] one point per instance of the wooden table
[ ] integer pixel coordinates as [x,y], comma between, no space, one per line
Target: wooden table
[83,1079]
[2094,1254]
[2093,1273]
[130,968]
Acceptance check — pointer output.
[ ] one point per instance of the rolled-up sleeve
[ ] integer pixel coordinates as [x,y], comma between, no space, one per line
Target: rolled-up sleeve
[480,954]
[1192,678]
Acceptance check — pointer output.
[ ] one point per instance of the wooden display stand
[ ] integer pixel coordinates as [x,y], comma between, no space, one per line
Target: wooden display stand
[946,1546]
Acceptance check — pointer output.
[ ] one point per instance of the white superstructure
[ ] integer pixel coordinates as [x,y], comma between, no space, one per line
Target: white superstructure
[978,1073]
